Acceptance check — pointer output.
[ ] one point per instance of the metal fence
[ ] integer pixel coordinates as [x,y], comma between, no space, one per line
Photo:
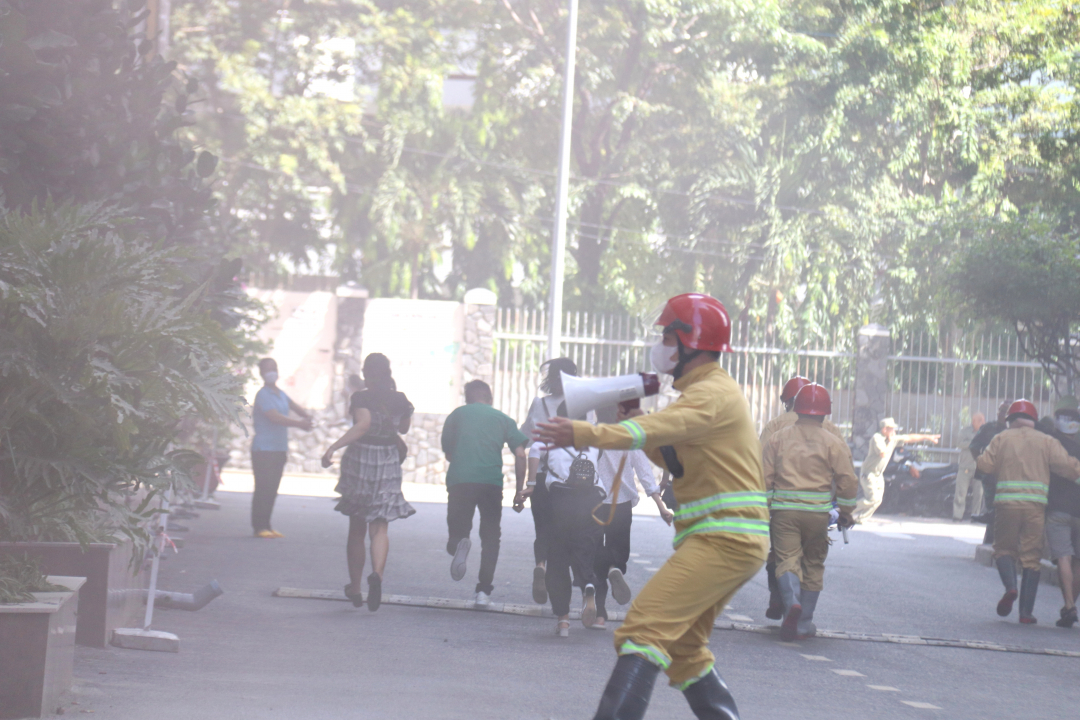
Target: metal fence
[936,383]
[603,345]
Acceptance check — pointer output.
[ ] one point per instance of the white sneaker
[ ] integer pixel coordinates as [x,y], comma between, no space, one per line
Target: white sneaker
[588,608]
[620,591]
[482,599]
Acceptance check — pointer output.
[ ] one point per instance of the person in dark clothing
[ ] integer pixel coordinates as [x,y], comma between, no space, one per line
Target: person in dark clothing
[980,442]
[472,439]
[270,446]
[1063,512]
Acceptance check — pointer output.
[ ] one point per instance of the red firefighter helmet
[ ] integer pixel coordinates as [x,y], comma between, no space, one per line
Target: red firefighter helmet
[813,399]
[700,321]
[792,388]
[1023,407]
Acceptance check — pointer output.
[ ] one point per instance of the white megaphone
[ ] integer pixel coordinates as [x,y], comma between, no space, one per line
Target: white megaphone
[584,395]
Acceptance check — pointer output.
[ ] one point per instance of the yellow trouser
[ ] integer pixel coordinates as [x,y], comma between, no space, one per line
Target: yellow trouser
[672,617]
[800,539]
[1018,532]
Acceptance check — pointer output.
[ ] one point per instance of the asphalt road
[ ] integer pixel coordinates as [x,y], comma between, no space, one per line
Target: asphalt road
[251,655]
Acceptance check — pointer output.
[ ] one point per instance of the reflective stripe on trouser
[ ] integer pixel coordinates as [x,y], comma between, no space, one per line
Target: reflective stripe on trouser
[800,540]
[1018,532]
[965,478]
[873,489]
[671,618]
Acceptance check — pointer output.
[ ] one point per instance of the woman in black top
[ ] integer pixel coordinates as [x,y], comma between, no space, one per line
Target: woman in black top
[370,481]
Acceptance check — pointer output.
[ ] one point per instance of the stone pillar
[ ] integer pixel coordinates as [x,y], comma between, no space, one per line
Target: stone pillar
[871,385]
[478,348]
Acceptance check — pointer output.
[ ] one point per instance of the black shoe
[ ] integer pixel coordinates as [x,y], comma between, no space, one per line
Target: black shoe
[1068,618]
[356,598]
[374,592]
[627,694]
[710,698]
[981,518]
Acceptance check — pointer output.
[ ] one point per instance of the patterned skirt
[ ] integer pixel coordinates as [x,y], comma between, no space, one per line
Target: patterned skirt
[370,484]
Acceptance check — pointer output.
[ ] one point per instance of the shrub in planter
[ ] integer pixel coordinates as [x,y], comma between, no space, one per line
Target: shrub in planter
[104,349]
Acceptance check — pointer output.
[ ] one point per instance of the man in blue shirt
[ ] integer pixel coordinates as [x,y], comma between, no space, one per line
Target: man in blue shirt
[270,446]
[472,438]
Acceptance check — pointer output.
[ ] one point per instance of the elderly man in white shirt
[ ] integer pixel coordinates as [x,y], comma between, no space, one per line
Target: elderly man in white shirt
[613,547]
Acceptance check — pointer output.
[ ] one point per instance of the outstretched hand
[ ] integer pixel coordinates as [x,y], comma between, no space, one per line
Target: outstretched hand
[555,433]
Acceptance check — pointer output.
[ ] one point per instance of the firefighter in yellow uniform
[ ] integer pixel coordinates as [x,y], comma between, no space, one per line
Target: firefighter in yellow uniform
[1022,458]
[707,440]
[775,611]
[807,471]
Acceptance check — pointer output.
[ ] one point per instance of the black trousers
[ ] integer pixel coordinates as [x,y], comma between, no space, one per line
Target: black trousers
[572,543]
[612,549]
[461,505]
[540,504]
[266,466]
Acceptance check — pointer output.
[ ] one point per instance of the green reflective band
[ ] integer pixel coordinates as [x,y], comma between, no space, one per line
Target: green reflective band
[818,495]
[653,655]
[683,685]
[739,526]
[805,507]
[637,435]
[1019,497]
[721,501]
[1021,485]
[842,501]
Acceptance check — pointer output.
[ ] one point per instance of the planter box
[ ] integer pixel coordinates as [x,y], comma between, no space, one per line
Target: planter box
[37,650]
[113,595]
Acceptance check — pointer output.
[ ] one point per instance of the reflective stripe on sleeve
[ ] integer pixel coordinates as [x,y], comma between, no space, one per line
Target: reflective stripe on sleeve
[805,507]
[637,435]
[844,502]
[721,501]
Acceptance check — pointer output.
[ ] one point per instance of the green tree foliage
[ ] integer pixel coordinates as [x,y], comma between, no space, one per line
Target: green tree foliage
[803,161]
[102,356]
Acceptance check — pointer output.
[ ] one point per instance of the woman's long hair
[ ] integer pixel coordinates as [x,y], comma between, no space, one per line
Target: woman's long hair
[552,383]
[377,375]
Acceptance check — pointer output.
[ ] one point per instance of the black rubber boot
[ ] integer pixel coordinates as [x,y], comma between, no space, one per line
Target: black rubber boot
[775,610]
[1029,587]
[627,694]
[1006,567]
[710,698]
[790,590]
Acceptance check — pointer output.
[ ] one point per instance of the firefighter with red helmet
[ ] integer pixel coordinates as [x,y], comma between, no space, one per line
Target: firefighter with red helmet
[706,438]
[775,611]
[1022,458]
[808,471]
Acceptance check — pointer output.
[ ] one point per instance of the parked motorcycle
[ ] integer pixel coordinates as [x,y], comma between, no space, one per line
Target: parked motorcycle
[921,489]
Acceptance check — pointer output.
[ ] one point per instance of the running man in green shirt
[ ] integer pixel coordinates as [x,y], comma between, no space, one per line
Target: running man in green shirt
[472,439]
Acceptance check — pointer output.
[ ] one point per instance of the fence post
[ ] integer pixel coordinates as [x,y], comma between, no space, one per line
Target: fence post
[871,385]
[478,351]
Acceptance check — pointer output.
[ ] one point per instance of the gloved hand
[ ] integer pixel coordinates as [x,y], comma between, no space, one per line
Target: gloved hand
[845,520]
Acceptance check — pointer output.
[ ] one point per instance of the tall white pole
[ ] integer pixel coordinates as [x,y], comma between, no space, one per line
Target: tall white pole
[558,241]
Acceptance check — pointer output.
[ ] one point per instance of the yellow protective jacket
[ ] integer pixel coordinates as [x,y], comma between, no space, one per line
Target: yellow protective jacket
[1022,459]
[803,464]
[786,420]
[709,425]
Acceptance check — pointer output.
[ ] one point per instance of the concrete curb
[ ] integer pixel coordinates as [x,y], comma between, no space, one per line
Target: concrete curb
[721,624]
[984,555]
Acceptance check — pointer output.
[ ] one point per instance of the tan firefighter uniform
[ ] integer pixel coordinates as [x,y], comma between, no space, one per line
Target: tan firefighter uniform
[722,523]
[1022,458]
[802,464]
[787,419]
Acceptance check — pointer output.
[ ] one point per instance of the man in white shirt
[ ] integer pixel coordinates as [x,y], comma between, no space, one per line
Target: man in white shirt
[872,477]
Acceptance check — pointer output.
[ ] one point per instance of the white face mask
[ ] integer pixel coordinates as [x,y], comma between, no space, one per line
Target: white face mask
[1067,425]
[664,358]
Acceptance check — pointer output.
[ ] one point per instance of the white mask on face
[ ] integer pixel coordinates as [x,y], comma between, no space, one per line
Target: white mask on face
[1067,425]
[664,358]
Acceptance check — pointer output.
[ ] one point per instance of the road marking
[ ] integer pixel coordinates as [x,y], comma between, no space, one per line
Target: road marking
[642,562]
[635,554]
[883,688]
[920,705]
[816,658]
[849,673]
[741,618]
[652,569]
